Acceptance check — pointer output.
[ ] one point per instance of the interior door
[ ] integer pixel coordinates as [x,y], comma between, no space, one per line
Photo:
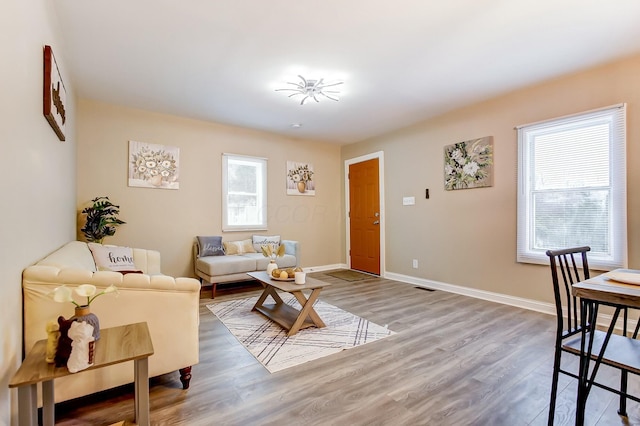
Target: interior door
[364,216]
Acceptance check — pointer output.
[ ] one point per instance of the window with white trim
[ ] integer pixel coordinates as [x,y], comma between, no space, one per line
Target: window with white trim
[572,187]
[244,193]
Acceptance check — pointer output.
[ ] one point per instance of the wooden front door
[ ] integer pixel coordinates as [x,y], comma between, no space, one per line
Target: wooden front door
[364,216]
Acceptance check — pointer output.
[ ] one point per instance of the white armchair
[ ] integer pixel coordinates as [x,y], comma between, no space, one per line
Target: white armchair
[170,306]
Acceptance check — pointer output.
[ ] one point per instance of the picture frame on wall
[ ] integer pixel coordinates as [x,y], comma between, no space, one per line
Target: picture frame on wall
[154,166]
[300,179]
[55,94]
[469,164]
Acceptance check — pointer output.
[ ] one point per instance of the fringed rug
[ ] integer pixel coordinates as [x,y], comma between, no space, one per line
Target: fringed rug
[268,342]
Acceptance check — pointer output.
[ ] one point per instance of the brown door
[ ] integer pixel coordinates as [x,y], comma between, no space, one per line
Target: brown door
[364,216]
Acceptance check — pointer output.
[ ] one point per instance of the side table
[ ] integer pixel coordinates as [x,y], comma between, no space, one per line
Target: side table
[131,342]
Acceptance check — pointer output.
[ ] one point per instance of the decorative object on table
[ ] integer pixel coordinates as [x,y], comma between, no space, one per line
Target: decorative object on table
[81,357]
[154,166]
[300,179]
[64,342]
[82,312]
[288,274]
[53,335]
[300,277]
[272,251]
[101,220]
[54,94]
[469,164]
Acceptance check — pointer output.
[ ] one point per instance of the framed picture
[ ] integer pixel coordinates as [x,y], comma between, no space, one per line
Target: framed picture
[154,166]
[55,95]
[469,164]
[300,179]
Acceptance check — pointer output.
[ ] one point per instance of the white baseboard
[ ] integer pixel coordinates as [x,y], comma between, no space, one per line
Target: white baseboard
[519,302]
[533,305]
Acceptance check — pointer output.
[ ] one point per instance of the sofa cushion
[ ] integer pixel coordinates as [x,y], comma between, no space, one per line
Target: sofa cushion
[112,258]
[224,265]
[238,247]
[260,240]
[210,246]
[286,261]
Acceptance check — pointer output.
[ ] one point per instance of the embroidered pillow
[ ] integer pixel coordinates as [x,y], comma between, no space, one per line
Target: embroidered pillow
[238,247]
[112,258]
[210,246]
[260,240]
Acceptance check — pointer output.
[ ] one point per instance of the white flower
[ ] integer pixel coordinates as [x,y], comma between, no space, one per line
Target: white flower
[470,168]
[64,293]
[448,169]
[151,164]
[296,178]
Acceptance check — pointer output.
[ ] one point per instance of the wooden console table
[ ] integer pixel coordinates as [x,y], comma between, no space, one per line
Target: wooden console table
[130,342]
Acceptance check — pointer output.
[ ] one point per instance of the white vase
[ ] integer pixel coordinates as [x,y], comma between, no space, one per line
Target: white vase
[271,266]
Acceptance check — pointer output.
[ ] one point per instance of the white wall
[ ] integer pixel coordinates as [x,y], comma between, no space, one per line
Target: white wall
[37,213]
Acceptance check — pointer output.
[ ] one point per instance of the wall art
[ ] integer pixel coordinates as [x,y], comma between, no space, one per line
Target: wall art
[300,179]
[54,94]
[469,164]
[154,166]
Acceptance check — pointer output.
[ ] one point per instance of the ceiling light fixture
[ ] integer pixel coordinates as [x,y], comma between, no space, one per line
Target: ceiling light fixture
[312,89]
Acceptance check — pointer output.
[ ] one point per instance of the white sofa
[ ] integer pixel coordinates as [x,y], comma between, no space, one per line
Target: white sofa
[170,306]
[232,268]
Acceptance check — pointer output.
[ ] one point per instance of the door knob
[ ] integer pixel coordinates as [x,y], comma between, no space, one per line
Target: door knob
[377,222]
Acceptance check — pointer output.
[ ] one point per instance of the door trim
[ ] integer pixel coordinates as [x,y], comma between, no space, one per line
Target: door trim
[380,156]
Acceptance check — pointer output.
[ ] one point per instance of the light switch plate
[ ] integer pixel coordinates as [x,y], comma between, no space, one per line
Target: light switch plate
[408,201]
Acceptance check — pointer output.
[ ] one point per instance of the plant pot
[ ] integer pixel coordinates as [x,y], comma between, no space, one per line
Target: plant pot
[302,187]
[84,314]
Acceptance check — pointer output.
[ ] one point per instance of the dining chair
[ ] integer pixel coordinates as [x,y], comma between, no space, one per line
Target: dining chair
[566,265]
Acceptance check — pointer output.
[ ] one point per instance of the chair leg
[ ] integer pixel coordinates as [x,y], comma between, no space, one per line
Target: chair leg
[213,290]
[554,384]
[623,390]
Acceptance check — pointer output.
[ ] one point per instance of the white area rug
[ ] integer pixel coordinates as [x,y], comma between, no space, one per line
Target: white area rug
[268,342]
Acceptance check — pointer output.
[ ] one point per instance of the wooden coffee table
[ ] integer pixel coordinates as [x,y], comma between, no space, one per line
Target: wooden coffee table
[288,317]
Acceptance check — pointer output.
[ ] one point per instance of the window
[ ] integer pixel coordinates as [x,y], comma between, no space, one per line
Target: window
[572,187]
[244,193]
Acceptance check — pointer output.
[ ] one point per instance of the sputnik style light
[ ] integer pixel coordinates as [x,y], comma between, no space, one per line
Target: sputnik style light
[312,89]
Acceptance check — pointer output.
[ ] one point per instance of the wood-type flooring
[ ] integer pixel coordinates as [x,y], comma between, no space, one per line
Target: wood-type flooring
[455,360]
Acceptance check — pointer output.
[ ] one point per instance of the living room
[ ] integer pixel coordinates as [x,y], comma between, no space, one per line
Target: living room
[465,241]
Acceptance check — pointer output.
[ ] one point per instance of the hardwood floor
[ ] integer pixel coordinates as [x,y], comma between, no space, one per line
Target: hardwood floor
[454,361]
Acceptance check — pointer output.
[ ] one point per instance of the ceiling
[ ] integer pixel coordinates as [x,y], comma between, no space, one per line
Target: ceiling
[401,61]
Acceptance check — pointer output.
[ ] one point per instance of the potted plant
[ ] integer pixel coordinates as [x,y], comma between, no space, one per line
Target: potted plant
[102,220]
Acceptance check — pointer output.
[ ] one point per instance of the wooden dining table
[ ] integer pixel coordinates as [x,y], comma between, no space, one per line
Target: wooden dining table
[593,293]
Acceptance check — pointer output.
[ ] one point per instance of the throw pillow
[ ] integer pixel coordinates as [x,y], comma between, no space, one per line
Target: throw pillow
[210,246]
[238,247]
[260,240]
[112,258]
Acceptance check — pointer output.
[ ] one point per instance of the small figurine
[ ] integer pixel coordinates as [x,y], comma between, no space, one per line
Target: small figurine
[53,334]
[64,342]
[81,334]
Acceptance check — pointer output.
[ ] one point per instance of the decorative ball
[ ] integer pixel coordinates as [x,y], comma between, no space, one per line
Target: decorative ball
[284,275]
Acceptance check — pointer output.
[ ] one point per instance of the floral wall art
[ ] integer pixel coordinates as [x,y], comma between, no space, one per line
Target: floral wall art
[300,179]
[153,166]
[469,164]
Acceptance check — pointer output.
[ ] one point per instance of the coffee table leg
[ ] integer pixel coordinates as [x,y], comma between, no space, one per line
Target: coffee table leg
[268,291]
[141,391]
[307,310]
